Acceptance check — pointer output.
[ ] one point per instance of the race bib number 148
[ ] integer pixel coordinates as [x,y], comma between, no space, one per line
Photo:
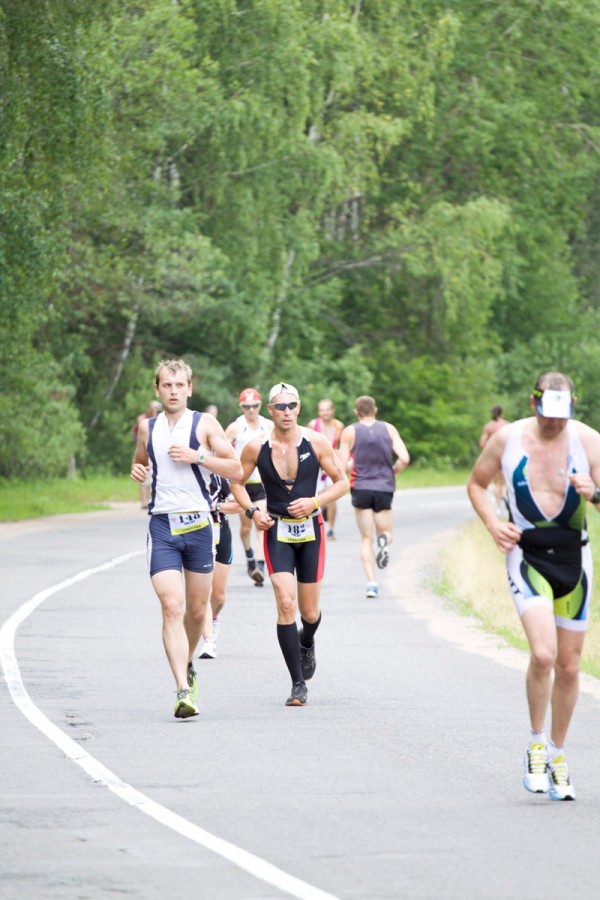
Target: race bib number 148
[182,523]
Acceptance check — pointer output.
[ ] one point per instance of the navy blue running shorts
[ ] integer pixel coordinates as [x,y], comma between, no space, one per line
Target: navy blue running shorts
[375,500]
[192,551]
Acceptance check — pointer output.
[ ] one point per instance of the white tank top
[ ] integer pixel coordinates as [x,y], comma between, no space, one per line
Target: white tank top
[176,487]
[245,434]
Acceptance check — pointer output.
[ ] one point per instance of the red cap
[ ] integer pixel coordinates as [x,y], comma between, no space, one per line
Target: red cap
[249,395]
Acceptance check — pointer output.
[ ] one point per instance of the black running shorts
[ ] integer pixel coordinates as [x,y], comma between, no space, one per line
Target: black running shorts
[375,500]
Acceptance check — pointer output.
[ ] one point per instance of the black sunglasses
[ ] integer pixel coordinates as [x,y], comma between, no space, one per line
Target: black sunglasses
[250,406]
[282,406]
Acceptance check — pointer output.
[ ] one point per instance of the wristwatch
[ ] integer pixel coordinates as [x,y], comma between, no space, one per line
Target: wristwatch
[250,512]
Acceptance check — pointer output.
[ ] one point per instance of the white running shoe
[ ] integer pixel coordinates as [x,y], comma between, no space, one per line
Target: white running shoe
[372,589]
[209,649]
[535,778]
[560,783]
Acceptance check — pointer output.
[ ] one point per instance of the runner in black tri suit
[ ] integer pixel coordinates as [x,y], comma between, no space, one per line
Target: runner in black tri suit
[222,506]
[289,461]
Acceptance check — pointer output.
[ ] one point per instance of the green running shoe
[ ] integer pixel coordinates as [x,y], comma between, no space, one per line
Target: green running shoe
[192,681]
[185,707]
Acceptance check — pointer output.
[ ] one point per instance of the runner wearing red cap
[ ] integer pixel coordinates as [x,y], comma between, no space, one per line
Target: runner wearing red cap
[248,426]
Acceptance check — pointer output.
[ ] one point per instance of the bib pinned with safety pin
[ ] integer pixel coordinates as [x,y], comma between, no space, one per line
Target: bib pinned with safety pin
[296,531]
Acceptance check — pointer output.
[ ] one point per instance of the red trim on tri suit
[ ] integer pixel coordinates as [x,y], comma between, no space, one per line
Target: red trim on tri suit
[266,552]
[321,565]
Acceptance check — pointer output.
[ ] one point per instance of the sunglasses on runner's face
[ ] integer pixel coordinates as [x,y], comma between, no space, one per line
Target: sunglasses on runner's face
[250,405]
[282,406]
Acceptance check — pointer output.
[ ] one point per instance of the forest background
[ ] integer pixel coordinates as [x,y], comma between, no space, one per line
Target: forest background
[382,197]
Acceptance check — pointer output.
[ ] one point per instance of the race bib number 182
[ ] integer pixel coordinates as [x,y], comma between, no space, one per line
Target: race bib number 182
[296,531]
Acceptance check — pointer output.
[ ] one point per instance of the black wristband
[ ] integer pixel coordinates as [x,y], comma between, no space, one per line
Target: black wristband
[596,496]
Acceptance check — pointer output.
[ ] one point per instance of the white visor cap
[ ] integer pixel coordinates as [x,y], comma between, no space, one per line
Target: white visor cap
[555,404]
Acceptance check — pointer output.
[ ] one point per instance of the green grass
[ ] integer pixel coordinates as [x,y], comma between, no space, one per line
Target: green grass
[420,477]
[31,499]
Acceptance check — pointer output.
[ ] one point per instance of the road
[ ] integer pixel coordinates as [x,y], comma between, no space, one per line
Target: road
[401,778]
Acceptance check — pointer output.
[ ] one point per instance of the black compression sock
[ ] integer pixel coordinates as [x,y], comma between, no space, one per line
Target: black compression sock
[308,631]
[287,635]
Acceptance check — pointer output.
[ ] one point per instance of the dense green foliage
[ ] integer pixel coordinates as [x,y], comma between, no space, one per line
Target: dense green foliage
[384,197]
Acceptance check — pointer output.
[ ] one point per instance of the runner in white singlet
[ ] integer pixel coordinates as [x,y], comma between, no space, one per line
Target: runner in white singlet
[248,427]
[180,449]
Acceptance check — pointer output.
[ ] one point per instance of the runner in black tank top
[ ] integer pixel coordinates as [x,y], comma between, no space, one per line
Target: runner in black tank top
[289,462]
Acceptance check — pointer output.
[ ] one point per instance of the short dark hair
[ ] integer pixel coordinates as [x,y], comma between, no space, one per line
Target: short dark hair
[365,406]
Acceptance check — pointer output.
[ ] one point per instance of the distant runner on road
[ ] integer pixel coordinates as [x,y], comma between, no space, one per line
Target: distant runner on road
[371,445]
[248,426]
[490,428]
[327,424]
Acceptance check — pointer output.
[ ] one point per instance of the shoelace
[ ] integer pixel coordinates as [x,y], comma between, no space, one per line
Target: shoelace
[537,762]
[560,771]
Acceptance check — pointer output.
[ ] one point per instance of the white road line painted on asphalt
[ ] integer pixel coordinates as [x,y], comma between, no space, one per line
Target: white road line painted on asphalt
[101,775]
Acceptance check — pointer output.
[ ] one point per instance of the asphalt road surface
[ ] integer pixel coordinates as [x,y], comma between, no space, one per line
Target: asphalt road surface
[401,778]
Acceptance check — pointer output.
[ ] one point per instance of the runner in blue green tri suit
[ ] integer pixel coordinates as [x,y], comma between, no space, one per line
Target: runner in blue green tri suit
[551,465]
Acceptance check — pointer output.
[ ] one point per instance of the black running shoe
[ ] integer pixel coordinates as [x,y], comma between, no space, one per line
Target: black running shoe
[299,695]
[251,562]
[308,660]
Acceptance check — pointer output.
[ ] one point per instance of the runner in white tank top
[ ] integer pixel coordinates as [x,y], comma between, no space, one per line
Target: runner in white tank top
[248,427]
[181,449]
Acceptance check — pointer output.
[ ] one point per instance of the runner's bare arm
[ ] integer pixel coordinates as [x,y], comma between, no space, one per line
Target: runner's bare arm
[139,466]
[399,450]
[488,465]
[345,449]
[231,431]
[587,484]
[248,460]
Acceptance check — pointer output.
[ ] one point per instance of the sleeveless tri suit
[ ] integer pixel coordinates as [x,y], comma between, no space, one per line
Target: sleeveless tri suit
[293,544]
[552,564]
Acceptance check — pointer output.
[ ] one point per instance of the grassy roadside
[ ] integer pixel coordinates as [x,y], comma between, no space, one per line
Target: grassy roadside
[416,476]
[32,499]
[474,583]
